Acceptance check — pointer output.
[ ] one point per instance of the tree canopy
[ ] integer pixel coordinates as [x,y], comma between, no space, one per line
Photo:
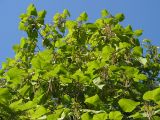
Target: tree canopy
[76,70]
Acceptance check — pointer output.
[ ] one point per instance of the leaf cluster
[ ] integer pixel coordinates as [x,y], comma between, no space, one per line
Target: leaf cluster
[76,70]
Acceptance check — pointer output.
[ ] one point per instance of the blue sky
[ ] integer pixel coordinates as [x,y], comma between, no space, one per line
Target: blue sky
[141,14]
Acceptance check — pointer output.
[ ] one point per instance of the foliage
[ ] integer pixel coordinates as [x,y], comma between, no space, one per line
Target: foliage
[87,71]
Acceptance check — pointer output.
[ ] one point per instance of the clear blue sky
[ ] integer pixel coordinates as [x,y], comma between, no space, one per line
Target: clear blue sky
[141,14]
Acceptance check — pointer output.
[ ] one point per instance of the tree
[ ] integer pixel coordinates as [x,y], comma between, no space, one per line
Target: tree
[81,71]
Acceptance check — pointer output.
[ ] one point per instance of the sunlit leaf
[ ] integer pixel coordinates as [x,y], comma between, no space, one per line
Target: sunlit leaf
[99,83]
[94,100]
[39,112]
[86,116]
[128,105]
[138,51]
[120,17]
[42,14]
[152,95]
[100,116]
[83,17]
[66,13]
[138,32]
[5,95]
[31,10]
[115,115]
[104,13]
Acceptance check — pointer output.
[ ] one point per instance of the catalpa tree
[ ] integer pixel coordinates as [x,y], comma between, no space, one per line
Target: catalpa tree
[75,70]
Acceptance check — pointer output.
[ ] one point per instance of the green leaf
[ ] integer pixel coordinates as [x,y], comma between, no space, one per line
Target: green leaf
[16,105]
[56,17]
[94,100]
[120,17]
[27,106]
[40,110]
[15,75]
[65,80]
[152,95]
[142,60]
[128,105]
[99,82]
[123,45]
[128,29]
[92,65]
[23,42]
[31,10]
[130,72]
[115,115]
[60,43]
[138,32]
[140,77]
[24,90]
[5,95]
[100,116]
[100,23]
[56,115]
[138,51]
[70,24]
[83,17]
[16,48]
[136,115]
[22,26]
[104,13]
[81,77]
[42,60]
[23,16]
[42,14]
[66,13]
[107,51]
[90,26]
[86,116]
[66,99]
